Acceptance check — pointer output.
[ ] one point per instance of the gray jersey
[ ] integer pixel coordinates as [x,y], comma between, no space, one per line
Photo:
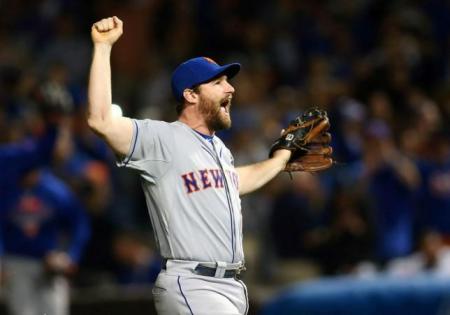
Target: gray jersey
[192,191]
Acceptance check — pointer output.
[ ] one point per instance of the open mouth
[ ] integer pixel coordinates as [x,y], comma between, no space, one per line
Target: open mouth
[225,105]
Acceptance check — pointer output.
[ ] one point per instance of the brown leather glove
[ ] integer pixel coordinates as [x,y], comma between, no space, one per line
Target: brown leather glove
[308,139]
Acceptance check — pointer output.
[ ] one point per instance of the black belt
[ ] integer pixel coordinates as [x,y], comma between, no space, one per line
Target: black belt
[208,271]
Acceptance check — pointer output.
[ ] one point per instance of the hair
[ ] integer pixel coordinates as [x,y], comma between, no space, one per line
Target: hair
[180,106]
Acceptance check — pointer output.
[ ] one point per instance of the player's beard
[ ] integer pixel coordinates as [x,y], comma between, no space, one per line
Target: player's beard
[216,119]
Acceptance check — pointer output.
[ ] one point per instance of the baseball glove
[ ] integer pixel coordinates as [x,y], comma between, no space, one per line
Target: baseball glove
[308,139]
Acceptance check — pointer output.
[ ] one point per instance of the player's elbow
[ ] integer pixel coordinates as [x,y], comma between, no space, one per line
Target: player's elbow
[96,124]
[98,114]
[93,122]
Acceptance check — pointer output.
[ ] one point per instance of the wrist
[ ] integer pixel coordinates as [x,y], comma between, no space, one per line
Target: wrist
[282,156]
[102,47]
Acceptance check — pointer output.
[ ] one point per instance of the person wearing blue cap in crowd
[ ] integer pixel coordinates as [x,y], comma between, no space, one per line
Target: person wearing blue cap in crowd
[188,176]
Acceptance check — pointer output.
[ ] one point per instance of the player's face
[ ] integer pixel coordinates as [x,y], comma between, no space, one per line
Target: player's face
[215,103]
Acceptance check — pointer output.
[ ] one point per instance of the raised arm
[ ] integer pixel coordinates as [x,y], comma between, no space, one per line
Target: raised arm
[254,176]
[117,131]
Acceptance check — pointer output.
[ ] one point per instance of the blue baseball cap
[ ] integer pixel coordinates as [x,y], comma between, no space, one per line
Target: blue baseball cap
[199,70]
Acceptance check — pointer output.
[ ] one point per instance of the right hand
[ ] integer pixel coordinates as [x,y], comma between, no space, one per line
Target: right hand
[58,262]
[107,31]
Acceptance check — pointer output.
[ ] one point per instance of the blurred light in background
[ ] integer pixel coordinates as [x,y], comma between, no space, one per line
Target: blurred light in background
[116,110]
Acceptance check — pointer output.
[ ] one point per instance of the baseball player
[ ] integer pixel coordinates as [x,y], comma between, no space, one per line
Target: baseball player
[191,185]
[36,261]
[36,209]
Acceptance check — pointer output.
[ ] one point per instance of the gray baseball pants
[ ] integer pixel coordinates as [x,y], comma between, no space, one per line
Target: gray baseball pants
[30,291]
[179,290]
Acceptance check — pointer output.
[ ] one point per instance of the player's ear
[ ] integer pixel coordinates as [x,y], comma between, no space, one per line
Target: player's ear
[190,96]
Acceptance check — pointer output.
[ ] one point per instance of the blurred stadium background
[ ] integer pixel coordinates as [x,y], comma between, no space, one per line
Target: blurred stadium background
[371,233]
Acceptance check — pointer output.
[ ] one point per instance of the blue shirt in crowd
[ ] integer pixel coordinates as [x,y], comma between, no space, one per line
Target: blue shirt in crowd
[435,196]
[44,214]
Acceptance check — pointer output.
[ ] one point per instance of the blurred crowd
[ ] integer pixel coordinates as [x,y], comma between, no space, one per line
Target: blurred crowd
[380,68]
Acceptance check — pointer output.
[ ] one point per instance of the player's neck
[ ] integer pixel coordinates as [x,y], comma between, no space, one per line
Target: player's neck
[195,120]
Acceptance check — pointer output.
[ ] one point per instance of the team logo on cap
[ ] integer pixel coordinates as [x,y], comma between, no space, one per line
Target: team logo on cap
[210,60]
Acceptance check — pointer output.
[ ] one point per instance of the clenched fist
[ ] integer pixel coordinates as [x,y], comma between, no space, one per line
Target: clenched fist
[107,31]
